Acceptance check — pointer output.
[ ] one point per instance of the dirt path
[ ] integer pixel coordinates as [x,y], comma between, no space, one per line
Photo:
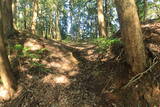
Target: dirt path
[67,82]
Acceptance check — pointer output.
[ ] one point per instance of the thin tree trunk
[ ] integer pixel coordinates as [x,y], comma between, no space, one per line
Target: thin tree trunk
[34,17]
[132,34]
[144,9]
[107,15]
[25,22]
[58,33]
[14,11]
[101,19]
[70,16]
[5,68]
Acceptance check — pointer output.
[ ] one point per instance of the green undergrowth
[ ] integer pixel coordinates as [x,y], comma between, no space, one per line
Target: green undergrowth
[67,40]
[26,51]
[72,40]
[104,43]
[32,57]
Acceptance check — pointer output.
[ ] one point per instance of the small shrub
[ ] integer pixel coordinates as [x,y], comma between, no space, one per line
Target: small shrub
[25,51]
[40,67]
[18,47]
[104,43]
[36,64]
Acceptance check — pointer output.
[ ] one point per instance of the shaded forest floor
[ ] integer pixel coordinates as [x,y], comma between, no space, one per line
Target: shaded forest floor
[62,75]
[54,74]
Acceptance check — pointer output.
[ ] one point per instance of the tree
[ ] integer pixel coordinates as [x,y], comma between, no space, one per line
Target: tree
[8,28]
[144,9]
[132,34]
[14,11]
[58,33]
[5,68]
[101,19]
[34,17]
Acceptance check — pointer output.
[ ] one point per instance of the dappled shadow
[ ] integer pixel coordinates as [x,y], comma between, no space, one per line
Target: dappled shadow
[53,78]
[67,75]
[95,74]
[62,75]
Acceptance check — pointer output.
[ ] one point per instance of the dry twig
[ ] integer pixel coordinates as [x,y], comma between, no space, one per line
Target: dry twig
[140,75]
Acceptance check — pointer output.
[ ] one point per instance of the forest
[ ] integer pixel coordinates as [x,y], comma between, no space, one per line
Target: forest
[79,53]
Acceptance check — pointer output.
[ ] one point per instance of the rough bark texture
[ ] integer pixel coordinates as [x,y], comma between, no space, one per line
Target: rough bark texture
[101,19]
[8,28]
[34,17]
[132,34]
[5,69]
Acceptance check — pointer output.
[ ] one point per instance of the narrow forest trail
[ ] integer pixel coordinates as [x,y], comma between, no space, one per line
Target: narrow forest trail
[57,74]
[66,80]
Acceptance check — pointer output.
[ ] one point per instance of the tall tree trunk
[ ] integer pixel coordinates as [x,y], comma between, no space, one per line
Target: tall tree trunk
[8,28]
[5,69]
[70,15]
[14,11]
[132,34]
[144,10]
[107,15]
[58,33]
[101,19]
[34,17]
[25,16]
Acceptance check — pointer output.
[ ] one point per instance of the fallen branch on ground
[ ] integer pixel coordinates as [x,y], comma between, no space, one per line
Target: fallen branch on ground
[138,76]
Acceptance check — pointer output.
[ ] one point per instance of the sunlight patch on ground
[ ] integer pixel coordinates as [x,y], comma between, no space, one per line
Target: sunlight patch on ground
[61,80]
[62,61]
[61,66]
[4,93]
[54,64]
[153,96]
[33,45]
[29,76]
[56,80]
[70,58]
[90,52]
[73,73]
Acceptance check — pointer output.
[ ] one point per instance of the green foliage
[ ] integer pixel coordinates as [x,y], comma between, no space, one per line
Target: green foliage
[41,51]
[25,51]
[104,43]
[33,57]
[18,47]
[36,64]
[68,39]
[40,67]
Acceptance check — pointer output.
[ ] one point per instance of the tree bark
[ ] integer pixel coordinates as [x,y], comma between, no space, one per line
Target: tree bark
[144,10]
[58,33]
[34,17]
[5,68]
[14,11]
[101,19]
[132,34]
[8,28]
